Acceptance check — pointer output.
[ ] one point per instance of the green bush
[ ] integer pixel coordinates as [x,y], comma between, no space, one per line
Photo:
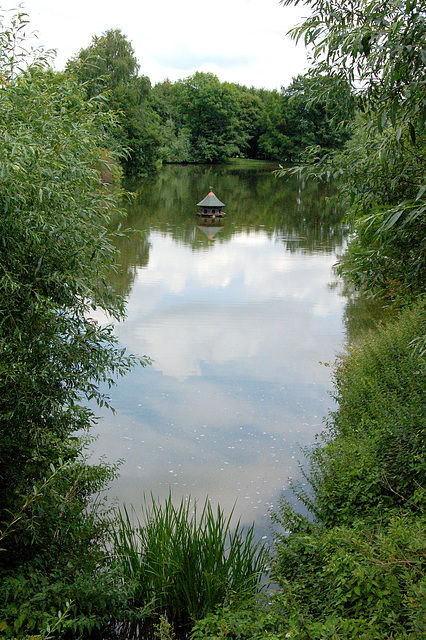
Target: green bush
[372,456]
[258,618]
[356,581]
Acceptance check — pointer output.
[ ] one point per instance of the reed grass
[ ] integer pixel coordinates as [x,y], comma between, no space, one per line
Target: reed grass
[184,564]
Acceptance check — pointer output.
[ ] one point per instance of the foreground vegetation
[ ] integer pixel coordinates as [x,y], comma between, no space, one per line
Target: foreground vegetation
[356,567]
[183,565]
[359,569]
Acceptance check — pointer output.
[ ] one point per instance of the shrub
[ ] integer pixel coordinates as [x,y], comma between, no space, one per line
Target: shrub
[355,581]
[372,456]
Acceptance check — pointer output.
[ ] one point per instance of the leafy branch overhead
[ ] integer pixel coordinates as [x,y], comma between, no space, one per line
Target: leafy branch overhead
[378,48]
[377,51]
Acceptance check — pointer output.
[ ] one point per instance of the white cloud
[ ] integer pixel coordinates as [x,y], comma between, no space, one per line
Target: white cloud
[270,301]
[237,334]
[241,41]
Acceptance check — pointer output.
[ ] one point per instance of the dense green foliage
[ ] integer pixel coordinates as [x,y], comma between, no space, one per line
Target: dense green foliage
[54,251]
[204,120]
[359,570]
[108,68]
[294,123]
[376,455]
[199,119]
[207,112]
[377,49]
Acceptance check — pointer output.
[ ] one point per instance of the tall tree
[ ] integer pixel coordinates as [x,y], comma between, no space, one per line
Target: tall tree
[210,111]
[108,66]
[293,122]
[55,250]
[176,144]
[54,253]
[205,120]
[251,116]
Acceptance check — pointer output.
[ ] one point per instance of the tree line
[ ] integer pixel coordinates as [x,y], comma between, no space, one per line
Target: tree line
[199,119]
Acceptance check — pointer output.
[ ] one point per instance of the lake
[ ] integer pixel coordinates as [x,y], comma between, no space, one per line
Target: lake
[241,320]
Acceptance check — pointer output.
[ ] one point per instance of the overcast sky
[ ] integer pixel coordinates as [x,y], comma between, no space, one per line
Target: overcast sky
[242,41]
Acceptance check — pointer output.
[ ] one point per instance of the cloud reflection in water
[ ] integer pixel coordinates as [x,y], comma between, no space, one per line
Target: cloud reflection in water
[237,334]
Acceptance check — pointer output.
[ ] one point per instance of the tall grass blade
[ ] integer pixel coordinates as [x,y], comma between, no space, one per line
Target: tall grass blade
[183,564]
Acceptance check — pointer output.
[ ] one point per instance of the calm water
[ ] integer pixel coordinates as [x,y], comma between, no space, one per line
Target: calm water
[240,326]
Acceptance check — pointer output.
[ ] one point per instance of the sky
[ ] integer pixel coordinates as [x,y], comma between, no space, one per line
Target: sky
[241,41]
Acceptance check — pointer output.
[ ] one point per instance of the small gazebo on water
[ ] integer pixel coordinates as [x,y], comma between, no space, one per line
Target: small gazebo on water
[211,207]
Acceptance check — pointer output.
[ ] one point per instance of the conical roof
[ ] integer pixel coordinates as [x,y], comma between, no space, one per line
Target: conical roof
[209,231]
[210,201]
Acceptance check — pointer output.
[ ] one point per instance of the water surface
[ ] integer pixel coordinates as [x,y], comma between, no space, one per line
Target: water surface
[241,321]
